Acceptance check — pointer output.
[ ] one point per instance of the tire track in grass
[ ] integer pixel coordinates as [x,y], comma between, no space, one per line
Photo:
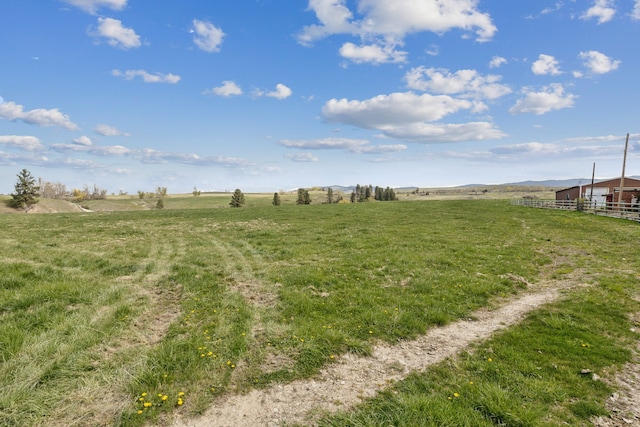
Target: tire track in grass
[241,271]
[243,264]
[351,379]
[163,305]
[103,398]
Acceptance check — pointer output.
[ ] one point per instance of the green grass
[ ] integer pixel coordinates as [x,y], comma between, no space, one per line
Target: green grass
[529,375]
[201,299]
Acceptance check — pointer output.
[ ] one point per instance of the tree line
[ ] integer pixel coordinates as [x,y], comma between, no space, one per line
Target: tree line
[27,192]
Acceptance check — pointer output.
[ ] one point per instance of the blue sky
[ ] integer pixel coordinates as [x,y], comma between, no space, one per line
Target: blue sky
[265,95]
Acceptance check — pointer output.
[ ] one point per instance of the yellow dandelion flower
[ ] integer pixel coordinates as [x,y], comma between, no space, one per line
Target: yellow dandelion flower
[332,357]
[181,394]
[180,402]
[233,366]
[147,404]
[143,394]
[139,411]
[141,399]
[456,395]
[489,360]
[471,382]
[165,397]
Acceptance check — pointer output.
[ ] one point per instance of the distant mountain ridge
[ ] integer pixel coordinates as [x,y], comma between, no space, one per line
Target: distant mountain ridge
[554,183]
[564,183]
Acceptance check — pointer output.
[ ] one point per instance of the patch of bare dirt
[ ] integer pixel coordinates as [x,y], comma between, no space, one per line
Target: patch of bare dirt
[54,206]
[351,379]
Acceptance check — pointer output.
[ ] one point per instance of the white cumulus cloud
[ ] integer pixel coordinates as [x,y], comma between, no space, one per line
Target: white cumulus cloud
[147,77]
[335,18]
[393,109]
[92,6]
[83,140]
[227,89]
[105,151]
[325,143]
[302,157]
[281,92]
[635,14]
[41,117]
[407,116]
[207,37]
[28,143]
[598,63]
[466,83]
[106,130]
[550,98]
[445,132]
[602,10]
[546,65]
[387,23]
[497,61]
[117,35]
[373,53]
[358,146]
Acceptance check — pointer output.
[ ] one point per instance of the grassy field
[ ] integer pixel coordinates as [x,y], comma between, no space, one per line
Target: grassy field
[123,317]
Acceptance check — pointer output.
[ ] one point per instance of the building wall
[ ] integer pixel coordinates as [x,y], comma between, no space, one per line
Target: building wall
[631,190]
[568,193]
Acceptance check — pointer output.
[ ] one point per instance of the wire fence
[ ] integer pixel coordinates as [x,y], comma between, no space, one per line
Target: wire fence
[612,209]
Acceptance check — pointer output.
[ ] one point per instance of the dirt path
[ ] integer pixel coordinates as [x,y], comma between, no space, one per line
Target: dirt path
[351,379]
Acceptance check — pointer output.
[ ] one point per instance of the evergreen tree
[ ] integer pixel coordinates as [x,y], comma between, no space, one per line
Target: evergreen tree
[367,192]
[237,199]
[26,191]
[303,197]
[379,193]
[276,199]
[389,194]
[329,195]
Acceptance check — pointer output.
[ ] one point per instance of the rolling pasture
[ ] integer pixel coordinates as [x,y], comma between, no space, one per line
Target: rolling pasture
[126,317]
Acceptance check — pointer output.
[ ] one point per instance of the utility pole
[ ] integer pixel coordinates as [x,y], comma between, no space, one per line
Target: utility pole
[624,163]
[593,175]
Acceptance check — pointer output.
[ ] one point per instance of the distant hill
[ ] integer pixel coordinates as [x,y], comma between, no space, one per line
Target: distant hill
[554,183]
[564,183]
